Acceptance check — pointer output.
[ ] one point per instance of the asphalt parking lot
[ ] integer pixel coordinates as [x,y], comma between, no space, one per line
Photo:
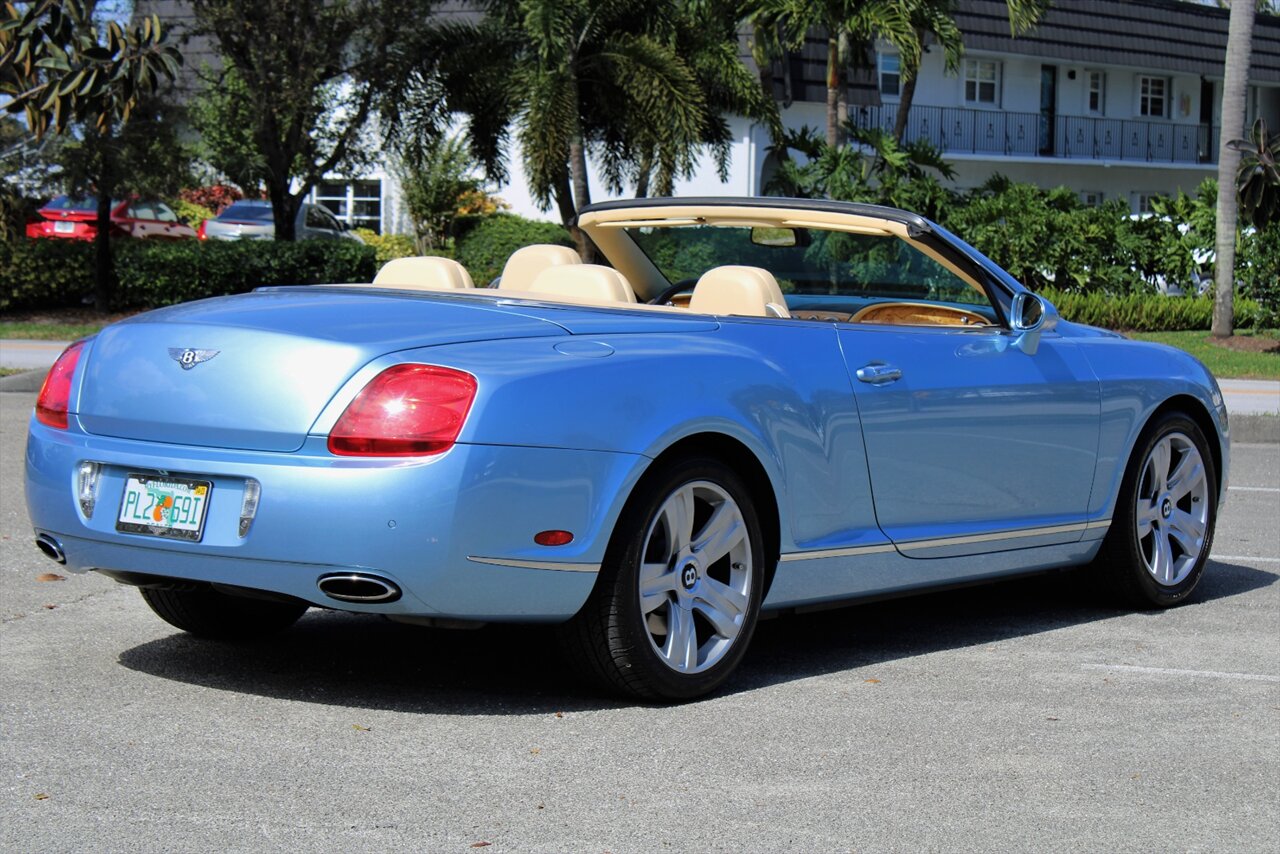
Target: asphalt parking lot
[1018,716]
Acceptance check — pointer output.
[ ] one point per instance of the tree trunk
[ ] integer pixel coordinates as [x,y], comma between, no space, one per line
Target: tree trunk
[284,210]
[581,198]
[1234,85]
[644,173]
[904,107]
[102,250]
[842,87]
[833,87]
[102,267]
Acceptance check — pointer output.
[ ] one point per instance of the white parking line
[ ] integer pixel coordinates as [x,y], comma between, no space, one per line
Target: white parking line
[1253,489]
[1168,671]
[1245,558]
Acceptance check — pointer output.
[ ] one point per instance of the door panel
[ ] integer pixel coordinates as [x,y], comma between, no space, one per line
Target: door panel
[972,445]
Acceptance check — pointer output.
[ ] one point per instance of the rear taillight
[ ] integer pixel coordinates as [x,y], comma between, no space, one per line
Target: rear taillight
[55,394]
[200,235]
[405,411]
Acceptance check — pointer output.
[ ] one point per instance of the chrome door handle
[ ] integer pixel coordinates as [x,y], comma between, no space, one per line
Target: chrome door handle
[879,374]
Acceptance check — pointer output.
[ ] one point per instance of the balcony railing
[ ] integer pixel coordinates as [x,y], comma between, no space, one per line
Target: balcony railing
[960,130]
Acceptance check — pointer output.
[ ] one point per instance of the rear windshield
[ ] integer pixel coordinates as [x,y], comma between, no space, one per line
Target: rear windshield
[247,212]
[68,203]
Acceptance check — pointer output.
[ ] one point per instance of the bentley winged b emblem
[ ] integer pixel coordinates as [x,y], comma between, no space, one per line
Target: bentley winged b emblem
[189,358]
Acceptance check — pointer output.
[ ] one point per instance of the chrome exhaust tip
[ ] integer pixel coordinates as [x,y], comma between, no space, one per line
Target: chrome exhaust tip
[358,587]
[52,548]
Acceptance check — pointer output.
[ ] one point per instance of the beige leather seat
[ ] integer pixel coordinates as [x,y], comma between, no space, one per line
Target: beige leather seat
[526,263]
[747,291]
[590,283]
[424,273]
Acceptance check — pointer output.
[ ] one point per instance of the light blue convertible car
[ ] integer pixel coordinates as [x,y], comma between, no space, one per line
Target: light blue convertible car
[746,405]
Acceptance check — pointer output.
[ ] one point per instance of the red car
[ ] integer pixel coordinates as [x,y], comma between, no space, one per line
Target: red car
[75,218]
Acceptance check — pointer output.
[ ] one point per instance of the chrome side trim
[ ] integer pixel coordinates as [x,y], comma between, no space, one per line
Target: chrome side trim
[847,552]
[536,564]
[943,542]
[1097,524]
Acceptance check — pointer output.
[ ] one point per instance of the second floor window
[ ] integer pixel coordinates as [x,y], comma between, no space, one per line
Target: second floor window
[1153,97]
[890,74]
[1096,101]
[981,81]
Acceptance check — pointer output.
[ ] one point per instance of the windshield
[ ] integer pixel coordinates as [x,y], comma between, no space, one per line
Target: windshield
[69,203]
[247,212]
[839,267]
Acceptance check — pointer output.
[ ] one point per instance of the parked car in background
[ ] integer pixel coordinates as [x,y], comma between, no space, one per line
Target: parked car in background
[250,219]
[75,218]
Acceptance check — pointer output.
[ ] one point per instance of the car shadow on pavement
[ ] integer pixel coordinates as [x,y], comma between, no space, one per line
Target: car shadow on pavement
[335,658]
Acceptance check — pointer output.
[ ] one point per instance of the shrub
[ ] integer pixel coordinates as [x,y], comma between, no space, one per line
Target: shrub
[484,244]
[1140,312]
[57,273]
[45,273]
[389,246]
[191,213]
[215,197]
[1258,274]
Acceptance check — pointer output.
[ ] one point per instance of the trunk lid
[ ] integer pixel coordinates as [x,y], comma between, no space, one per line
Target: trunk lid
[254,371]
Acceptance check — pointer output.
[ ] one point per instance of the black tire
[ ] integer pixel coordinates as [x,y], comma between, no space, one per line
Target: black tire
[211,614]
[1126,565]
[617,643]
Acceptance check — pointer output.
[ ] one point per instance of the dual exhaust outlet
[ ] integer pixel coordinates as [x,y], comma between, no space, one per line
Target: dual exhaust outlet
[357,587]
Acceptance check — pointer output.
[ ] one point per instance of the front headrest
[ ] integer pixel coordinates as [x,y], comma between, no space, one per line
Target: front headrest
[526,263]
[749,291]
[588,281]
[424,273]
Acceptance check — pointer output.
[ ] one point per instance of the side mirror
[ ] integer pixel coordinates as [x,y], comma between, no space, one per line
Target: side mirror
[1030,316]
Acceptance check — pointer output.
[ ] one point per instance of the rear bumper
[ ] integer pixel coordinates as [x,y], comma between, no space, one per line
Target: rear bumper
[454,532]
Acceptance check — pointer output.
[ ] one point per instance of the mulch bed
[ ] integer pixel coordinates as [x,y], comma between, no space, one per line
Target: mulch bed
[1248,344]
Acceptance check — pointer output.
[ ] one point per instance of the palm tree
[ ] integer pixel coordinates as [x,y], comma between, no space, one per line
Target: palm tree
[569,76]
[1234,84]
[850,26]
[936,19]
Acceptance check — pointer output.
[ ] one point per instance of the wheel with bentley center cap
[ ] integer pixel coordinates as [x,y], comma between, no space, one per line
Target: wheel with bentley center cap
[1162,529]
[680,588]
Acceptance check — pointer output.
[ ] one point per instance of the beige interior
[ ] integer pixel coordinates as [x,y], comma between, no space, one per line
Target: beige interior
[746,291]
[526,263]
[606,229]
[424,273]
[588,281]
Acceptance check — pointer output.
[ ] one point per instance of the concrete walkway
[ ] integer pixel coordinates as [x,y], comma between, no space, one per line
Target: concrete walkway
[1253,405]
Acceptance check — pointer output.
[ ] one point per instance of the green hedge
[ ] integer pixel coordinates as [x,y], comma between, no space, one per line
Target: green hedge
[55,273]
[1145,312]
[484,243]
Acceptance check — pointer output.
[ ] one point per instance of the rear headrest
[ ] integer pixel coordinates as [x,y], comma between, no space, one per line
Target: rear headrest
[424,273]
[586,281]
[748,291]
[526,263]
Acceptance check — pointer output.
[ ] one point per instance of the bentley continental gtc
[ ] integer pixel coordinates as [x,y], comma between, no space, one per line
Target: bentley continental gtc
[745,406]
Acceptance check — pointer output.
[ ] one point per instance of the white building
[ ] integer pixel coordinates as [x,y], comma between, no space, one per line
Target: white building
[1113,98]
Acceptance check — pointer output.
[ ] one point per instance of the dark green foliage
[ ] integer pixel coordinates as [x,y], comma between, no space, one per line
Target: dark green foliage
[1144,312]
[1258,178]
[1258,276]
[483,245]
[45,273]
[55,273]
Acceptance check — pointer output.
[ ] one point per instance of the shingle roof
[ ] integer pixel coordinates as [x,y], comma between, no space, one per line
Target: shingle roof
[1163,35]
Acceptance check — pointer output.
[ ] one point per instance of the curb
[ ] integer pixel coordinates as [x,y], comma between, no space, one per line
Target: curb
[25,381]
[1251,429]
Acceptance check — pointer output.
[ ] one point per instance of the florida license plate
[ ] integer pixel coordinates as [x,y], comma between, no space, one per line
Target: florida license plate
[163,506]
[64,227]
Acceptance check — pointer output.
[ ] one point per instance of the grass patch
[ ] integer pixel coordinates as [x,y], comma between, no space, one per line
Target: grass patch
[8,372]
[47,331]
[1226,362]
